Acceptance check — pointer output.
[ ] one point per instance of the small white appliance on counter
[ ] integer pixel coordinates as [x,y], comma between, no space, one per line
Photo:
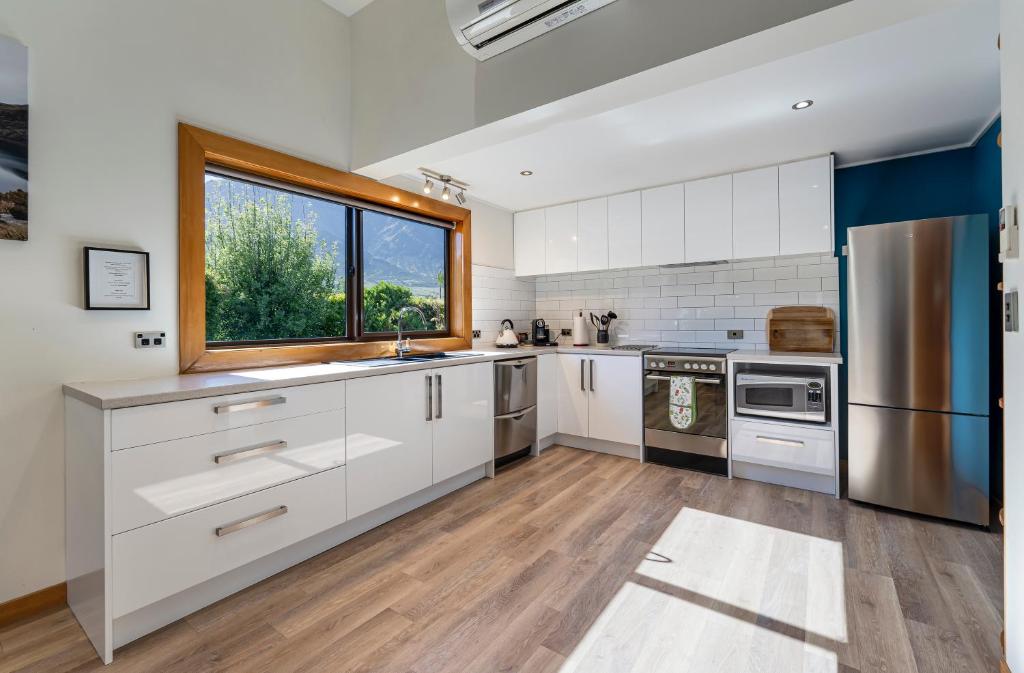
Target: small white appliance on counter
[580,331]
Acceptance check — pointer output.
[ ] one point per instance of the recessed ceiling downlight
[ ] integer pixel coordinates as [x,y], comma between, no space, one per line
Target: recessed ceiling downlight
[803,104]
[526,173]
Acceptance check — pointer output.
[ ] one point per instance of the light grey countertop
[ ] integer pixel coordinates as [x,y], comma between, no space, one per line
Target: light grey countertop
[783,357]
[175,388]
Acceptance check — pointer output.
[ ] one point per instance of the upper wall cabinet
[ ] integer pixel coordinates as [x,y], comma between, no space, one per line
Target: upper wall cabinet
[709,219]
[805,206]
[530,243]
[777,210]
[624,230]
[562,224]
[755,213]
[661,222]
[593,243]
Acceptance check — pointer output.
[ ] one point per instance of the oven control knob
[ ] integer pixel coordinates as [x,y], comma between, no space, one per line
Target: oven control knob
[712,367]
[703,366]
[686,366]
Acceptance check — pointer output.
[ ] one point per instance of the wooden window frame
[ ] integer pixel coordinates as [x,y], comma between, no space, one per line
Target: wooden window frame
[199,148]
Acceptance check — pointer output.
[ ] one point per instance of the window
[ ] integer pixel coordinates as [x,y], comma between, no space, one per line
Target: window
[283,261]
[279,267]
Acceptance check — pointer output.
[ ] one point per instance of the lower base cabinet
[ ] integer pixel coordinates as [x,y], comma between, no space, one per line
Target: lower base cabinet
[463,425]
[600,397]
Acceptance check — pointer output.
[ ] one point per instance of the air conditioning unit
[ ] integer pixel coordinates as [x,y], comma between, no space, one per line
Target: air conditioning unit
[486,28]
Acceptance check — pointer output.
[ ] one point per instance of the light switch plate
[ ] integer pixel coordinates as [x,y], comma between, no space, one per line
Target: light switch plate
[1009,234]
[1011,322]
[735,334]
[150,339]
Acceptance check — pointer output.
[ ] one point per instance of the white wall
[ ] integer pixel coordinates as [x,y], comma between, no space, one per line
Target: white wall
[109,79]
[1012,58]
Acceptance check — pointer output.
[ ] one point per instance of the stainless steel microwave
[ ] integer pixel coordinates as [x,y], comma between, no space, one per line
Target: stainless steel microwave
[787,396]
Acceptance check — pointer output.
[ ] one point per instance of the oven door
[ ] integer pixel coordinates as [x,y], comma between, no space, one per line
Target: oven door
[712,415]
[774,397]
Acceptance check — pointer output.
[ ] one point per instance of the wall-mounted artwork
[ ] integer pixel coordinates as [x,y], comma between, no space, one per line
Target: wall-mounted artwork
[13,140]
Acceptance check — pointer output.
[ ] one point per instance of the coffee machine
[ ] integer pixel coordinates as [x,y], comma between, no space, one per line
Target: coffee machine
[542,333]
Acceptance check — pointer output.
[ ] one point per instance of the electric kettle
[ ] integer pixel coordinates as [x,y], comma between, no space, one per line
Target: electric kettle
[506,337]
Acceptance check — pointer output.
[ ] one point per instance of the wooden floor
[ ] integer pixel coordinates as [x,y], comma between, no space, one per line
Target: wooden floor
[577,561]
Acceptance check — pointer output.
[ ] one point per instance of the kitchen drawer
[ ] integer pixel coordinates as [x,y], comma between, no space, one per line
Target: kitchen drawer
[137,426]
[162,559]
[157,481]
[787,447]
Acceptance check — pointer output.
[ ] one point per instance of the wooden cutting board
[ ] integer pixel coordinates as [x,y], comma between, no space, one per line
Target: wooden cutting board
[801,329]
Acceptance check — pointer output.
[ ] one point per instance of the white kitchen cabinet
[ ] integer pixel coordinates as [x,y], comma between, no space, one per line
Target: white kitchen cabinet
[615,404]
[624,230]
[805,207]
[529,243]
[599,397]
[662,221]
[593,235]
[572,395]
[389,439]
[755,213]
[562,226]
[463,426]
[708,230]
[547,395]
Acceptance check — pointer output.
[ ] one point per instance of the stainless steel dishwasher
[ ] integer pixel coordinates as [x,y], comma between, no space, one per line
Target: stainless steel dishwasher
[515,408]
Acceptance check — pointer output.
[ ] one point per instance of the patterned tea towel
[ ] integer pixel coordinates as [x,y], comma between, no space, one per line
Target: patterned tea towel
[682,403]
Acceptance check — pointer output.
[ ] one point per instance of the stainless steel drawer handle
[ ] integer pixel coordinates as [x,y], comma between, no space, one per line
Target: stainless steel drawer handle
[245,406]
[781,442]
[249,452]
[518,364]
[516,415]
[227,529]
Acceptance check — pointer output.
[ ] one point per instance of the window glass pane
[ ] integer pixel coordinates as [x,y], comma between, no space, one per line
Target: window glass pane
[275,263]
[403,265]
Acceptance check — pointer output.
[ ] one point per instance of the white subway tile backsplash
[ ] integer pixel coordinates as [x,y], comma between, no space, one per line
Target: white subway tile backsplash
[693,305]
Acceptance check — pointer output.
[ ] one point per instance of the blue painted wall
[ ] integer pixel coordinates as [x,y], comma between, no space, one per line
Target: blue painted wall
[956,182]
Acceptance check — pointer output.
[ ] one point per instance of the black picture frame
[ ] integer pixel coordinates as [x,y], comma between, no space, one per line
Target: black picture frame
[89,306]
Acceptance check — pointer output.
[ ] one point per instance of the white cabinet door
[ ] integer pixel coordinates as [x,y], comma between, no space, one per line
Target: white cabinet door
[805,207]
[547,395]
[562,224]
[529,244]
[662,212]
[755,213]
[593,243]
[616,407]
[463,418]
[388,439]
[572,395]
[709,219]
[624,230]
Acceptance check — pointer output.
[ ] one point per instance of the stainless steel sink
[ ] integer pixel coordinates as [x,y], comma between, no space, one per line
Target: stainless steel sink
[395,360]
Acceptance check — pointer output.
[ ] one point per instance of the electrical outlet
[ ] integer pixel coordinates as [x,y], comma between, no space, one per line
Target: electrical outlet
[476,334]
[735,334]
[566,331]
[1010,318]
[150,339]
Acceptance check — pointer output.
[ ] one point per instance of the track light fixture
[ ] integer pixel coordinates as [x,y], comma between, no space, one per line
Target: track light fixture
[449,185]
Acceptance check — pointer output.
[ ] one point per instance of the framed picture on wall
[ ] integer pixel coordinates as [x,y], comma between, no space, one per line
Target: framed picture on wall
[116,280]
[13,140]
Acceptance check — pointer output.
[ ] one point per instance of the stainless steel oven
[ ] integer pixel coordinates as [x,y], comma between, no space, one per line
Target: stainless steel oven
[703,445]
[790,396]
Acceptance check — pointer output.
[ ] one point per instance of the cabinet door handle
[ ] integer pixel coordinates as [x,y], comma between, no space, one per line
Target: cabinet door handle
[430,397]
[781,442]
[591,376]
[249,452]
[516,415]
[440,399]
[229,528]
[583,385]
[245,406]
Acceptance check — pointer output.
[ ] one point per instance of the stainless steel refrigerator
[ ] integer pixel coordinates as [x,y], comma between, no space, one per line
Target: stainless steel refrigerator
[918,414]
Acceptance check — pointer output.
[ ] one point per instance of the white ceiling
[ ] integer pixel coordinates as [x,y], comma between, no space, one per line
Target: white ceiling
[348,7]
[927,83]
